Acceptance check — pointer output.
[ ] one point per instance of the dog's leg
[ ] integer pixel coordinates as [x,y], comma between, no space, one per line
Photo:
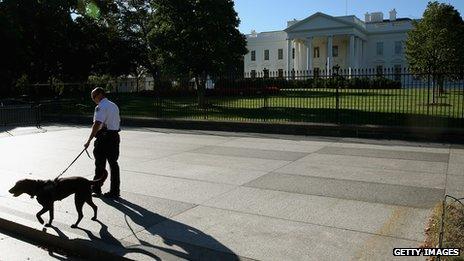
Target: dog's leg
[79,202]
[51,212]
[40,213]
[94,207]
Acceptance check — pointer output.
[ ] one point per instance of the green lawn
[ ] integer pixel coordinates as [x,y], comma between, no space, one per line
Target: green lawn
[386,107]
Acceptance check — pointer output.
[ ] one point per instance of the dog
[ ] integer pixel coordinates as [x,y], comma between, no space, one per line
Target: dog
[49,191]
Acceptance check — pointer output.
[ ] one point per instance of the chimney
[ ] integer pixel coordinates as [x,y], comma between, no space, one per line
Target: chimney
[393,15]
[367,17]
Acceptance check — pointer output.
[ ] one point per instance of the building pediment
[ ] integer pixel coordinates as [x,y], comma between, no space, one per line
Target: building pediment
[319,21]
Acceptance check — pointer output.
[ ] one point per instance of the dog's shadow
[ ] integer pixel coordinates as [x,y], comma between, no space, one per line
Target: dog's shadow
[173,233]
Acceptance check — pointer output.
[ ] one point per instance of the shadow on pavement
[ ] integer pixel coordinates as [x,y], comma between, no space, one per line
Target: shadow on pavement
[148,220]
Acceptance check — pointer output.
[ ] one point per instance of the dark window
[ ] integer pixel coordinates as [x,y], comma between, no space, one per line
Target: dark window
[266,55]
[293,53]
[253,55]
[280,54]
[266,73]
[335,51]
[253,73]
[316,52]
[379,70]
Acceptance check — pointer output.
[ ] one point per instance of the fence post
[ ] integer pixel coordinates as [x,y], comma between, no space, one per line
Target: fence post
[38,115]
[428,93]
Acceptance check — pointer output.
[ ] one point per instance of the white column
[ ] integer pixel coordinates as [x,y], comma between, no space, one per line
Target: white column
[358,52]
[351,51]
[309,56]
[297,56]
[329,52]
[289,55]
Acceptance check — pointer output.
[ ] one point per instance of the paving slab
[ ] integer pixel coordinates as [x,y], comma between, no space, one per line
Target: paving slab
[409,196]
[325,211]
[394,177]
[250,153]
[388,154]
[229,161]
[189,191]
[216,174]
[277,144]
[270,238]
[376,163]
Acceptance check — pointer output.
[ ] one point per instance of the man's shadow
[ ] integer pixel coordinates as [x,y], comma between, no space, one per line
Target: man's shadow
[147,219]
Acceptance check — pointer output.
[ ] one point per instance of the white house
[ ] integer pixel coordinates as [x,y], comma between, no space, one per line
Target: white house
[321,41]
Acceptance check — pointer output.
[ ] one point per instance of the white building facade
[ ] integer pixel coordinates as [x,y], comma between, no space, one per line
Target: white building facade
[321,42]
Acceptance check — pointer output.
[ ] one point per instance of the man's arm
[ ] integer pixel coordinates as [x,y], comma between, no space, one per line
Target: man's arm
[95,127]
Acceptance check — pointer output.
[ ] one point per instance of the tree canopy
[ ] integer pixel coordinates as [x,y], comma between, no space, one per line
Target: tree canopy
[434,45]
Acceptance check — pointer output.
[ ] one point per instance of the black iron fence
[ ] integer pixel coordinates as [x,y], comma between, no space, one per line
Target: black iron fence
[23,115]
[376,96]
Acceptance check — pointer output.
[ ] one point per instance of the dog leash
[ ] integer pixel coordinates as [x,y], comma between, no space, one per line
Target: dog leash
[88,155]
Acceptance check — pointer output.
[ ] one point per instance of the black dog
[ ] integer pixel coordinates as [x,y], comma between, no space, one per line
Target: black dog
[49,191]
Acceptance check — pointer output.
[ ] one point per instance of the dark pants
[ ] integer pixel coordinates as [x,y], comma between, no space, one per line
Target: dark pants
[106,148]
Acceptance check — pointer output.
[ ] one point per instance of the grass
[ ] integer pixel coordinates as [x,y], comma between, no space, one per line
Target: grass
[453,230]
[356,106]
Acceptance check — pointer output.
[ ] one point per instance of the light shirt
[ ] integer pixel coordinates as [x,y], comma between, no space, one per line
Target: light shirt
[107,113]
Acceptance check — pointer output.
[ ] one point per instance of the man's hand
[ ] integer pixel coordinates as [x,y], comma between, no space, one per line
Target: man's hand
[86,145]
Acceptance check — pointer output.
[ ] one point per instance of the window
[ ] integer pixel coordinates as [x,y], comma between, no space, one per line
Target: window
[293,53]
[335,51]
[398,47]
[266,55]
[316,52]
[281,73]
[380,48]
[397,71]
[253,74]
[253,55]
[266,73]
[280,54]
[379,70]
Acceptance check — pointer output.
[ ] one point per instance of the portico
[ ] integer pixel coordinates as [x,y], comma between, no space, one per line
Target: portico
[320,42]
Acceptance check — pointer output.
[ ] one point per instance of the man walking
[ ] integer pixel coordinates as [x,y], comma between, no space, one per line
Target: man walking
[105,128]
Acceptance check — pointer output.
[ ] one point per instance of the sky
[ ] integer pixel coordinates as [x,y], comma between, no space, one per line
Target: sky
[271,15]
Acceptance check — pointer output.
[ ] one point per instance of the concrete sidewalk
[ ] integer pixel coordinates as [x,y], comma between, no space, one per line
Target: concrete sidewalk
[219,196]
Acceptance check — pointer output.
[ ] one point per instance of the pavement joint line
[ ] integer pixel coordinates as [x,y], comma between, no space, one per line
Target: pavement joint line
[318,195]
[373,168]
[446,176]
[378,157]
[348,180]
[183,178]
[314,224]
[345,199]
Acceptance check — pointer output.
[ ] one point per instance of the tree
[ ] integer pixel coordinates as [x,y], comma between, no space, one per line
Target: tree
[134,18]
[197,38]
[434,45]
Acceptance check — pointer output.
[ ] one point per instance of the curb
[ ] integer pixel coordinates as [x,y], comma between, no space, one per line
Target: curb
[80,248]
[447,135]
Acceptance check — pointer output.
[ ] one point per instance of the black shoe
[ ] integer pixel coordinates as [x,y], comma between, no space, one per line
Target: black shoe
[111,195]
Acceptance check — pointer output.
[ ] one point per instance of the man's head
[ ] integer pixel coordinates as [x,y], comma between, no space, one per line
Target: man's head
[98,94]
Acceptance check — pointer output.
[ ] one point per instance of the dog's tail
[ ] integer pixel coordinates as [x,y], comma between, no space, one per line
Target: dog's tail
[101,180]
